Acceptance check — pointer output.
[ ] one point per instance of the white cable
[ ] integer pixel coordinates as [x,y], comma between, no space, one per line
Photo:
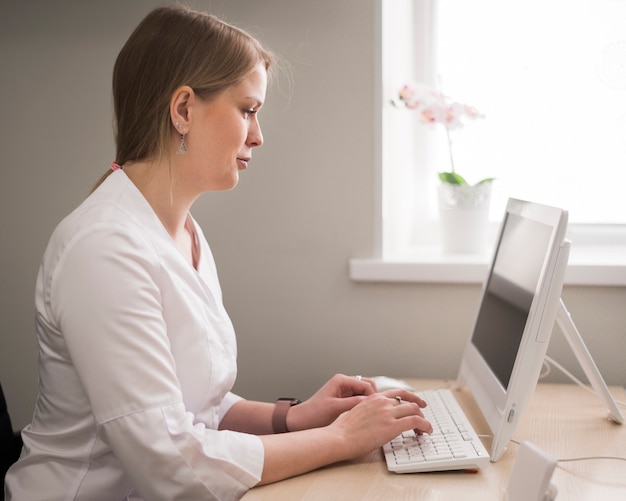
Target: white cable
[583,458]
[547,368]
[551,361]
[587,458]
[569,374]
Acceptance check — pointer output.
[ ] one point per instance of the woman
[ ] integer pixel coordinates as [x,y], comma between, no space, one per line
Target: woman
[137,355]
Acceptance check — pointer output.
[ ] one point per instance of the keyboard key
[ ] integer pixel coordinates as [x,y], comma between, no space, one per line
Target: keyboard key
[437,457]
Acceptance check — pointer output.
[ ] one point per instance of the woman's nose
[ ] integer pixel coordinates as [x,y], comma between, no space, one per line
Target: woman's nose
[255,136]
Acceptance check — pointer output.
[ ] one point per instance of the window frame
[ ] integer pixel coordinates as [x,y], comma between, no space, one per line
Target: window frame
[598,255]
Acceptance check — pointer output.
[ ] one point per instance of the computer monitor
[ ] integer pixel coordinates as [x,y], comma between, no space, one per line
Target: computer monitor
[502,360]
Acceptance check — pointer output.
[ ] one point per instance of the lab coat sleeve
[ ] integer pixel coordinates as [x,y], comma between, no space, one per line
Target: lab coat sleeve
[229,400]
[105,297]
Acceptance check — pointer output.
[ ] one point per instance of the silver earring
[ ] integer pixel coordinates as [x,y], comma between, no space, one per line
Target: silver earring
[182,147]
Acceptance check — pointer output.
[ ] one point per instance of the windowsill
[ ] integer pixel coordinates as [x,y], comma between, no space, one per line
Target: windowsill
[588,265]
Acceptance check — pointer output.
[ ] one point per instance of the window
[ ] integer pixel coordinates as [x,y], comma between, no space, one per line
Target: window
[550,78]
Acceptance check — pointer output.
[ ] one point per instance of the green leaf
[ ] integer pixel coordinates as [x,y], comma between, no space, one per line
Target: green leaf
[451,178]
[486,180]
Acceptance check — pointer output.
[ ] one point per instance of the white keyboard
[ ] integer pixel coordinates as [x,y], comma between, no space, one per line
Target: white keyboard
[453,445]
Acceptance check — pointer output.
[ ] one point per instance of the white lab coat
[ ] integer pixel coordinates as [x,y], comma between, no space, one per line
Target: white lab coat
[136,357]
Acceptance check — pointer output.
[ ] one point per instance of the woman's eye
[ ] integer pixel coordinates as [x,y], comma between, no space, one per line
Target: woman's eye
[248,112]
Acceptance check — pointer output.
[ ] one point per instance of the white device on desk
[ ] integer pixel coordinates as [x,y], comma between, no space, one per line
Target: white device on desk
[502,360]
[531,475]
[504,355]
[521,301]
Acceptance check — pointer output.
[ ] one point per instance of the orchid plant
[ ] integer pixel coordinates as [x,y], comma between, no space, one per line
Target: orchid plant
[434,107]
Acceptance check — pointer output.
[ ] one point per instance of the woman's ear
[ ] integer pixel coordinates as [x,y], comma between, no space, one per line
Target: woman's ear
[179,107]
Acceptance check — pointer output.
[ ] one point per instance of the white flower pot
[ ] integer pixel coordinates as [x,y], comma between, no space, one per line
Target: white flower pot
[464,217]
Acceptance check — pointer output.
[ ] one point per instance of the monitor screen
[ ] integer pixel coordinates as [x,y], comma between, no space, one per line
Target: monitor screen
[511,287]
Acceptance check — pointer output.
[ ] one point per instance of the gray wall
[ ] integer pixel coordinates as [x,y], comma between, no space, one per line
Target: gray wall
[282,239]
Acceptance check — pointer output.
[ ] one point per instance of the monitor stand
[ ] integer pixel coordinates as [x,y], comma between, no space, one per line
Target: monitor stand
[570,332]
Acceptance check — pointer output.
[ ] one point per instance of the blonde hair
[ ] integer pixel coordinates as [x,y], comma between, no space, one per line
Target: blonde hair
[171,47]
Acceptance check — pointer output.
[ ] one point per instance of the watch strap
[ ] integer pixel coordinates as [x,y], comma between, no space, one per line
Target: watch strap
[279,417]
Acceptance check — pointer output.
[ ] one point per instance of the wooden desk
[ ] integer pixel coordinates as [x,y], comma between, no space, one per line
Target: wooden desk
[564,420]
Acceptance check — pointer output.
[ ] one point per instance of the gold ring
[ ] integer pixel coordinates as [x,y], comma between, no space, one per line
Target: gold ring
[399,399]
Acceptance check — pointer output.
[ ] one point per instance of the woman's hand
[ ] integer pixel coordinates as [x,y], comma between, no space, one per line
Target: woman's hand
[378,419]
[340,394]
